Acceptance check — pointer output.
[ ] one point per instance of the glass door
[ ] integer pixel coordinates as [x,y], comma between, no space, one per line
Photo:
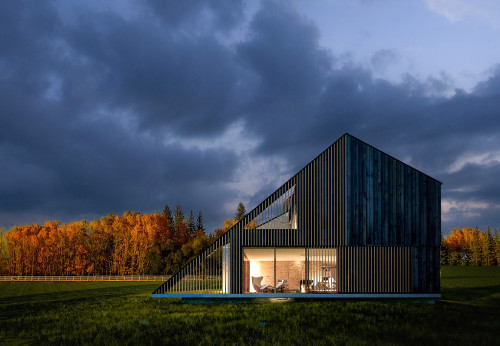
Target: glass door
[322,270]
[290,269]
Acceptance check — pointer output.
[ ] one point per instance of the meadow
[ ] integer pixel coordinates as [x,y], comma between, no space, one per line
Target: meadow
[123,313]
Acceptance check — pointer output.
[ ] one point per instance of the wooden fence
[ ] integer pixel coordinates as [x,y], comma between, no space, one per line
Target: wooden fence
[87,278]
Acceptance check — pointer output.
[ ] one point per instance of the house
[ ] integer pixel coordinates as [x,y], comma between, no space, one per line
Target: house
[354,222]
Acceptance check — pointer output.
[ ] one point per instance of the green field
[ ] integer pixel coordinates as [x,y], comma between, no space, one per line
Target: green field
[123,313]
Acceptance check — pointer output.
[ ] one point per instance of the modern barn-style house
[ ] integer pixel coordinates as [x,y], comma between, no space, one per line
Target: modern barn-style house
[354,222]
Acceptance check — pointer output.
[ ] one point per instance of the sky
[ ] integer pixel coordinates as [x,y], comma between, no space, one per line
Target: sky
[130,105]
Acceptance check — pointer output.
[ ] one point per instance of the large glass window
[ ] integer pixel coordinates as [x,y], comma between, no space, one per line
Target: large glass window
[290,270]
[280,214]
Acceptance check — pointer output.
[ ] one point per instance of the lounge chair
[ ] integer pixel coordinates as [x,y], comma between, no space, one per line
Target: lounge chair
[281,285]
[257,284]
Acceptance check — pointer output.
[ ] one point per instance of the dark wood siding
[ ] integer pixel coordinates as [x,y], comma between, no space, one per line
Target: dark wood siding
[392,204]
[426,269]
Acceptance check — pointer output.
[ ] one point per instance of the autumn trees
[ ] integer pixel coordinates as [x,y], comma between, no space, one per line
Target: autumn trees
[468,246]
[131,244]
[3,253]
[114,245]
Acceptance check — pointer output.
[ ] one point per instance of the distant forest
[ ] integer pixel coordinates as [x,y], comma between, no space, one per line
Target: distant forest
[132,244]
[468,246]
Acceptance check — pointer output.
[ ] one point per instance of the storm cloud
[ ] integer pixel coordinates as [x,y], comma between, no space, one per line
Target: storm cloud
[203,104]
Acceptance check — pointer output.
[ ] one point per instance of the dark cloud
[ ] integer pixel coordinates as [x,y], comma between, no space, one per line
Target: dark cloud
[283,51]
[291,69]
[383,59]
[490,87]
[221,14]
[184,84]
[102,113]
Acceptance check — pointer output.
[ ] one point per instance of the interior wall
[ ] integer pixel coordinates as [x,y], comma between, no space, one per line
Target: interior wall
[261,268]
[292,272]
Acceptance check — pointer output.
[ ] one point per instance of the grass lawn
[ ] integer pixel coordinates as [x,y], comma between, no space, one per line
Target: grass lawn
[123,313]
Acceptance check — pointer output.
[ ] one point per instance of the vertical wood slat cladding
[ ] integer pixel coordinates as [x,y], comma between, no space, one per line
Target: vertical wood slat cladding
[374,269]
[322,198]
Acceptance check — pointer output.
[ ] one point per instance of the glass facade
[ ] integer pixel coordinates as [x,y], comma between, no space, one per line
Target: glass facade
[290,270]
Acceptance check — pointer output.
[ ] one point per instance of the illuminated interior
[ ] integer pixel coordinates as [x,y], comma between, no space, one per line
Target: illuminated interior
[322,270]
[284,270]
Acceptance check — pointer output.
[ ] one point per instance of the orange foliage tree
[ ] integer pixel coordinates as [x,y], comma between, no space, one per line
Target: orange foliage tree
[469,246]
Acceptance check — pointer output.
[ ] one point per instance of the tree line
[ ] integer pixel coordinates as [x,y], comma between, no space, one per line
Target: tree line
[131,244]
[469,246]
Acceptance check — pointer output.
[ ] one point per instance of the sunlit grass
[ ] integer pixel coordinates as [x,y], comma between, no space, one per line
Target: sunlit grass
[124,313]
